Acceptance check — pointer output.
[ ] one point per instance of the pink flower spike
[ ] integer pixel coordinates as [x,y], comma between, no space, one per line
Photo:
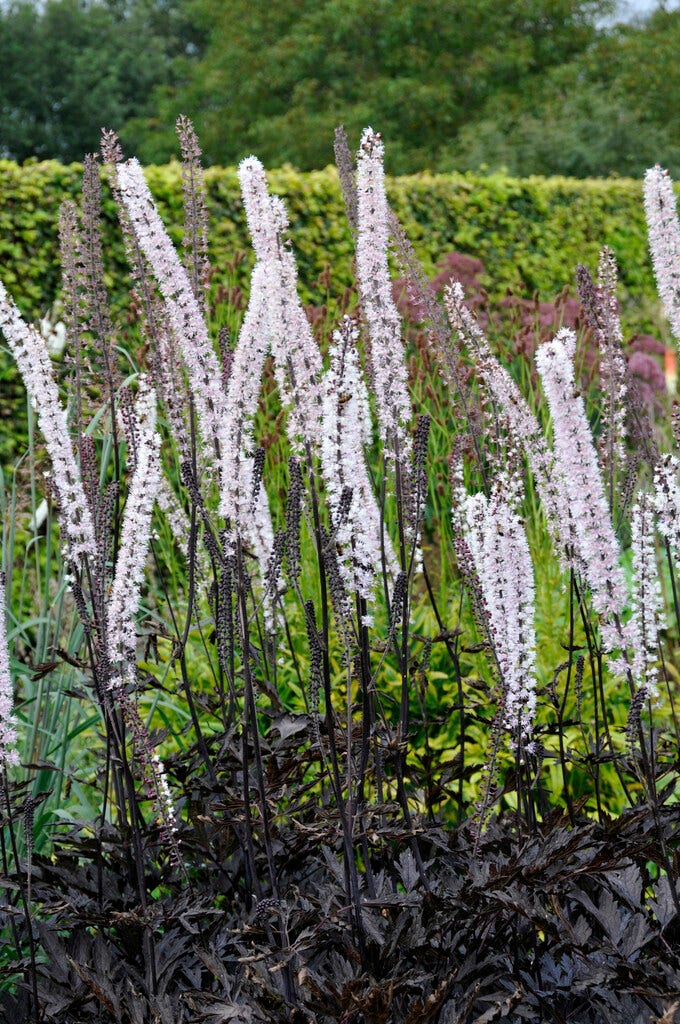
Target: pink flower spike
[136,531]
[184,312]
[248,512]
[497,542]
[666,501]
[613,367]
[594,540]
[664,241]
[33,361]
[346,433]
[522,421]
[390,377]
[8,732]
[265,214]
[237,444]
[647,600]
[297,359]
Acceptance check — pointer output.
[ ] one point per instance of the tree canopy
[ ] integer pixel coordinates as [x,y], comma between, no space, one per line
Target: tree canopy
[533,86]
[612,109]
[277,78]
[69,68]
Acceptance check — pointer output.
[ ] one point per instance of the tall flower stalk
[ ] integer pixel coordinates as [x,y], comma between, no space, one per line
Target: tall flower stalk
[185,314]
[390,379]
[522,422]
[666,501]
[664,241]
[498,544]
[346,435]
[297,360]
[8,731]
[245,382]
[594,540]
[123,602]
[648,617]
[136,531]
[32,358]
[601,309]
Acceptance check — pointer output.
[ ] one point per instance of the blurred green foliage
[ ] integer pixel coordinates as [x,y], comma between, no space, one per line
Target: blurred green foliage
[277,78]
[70,67]
[525,86]
[613,109]
[529,233]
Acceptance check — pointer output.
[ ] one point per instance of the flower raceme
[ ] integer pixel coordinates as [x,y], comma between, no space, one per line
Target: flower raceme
[346,433]
[521,420]
[184,311]
[238,444]
[390,379]
[131,426]
[136,530]
[664,241]
[243,499]
[497,542]
[123,602]
[648,617]
[596,547]
[30,353]
[297,359]
[666,501]
[8,733]
[613,367]
[601,310]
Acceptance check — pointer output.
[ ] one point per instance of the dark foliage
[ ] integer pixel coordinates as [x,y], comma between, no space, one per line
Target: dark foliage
[568,923]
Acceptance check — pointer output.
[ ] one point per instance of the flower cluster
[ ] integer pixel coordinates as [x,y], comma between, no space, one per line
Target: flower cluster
[594,540]
[664,241]
[184,312]
[613,367]
[346,433]
[136,530]
[243,498]
[8,732]
[647,600]
[390,380]
[196,221]
[32,358]
[237,444]
[522,422]
[121,612]
[497,542]
[666,501]
[131,420]
[297,360]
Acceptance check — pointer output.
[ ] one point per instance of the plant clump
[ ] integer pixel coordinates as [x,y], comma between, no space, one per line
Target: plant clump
[351,692]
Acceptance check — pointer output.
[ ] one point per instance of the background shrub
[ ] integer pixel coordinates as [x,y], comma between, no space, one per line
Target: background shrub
[528,232]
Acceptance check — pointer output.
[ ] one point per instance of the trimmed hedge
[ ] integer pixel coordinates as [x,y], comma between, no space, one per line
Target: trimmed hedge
[528,232]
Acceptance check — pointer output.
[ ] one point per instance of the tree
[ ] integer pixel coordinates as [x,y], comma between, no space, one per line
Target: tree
[277,77]
[69,68]
[611,109]
[535,86]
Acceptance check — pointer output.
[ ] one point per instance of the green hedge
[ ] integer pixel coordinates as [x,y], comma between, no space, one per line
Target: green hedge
[526,231]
